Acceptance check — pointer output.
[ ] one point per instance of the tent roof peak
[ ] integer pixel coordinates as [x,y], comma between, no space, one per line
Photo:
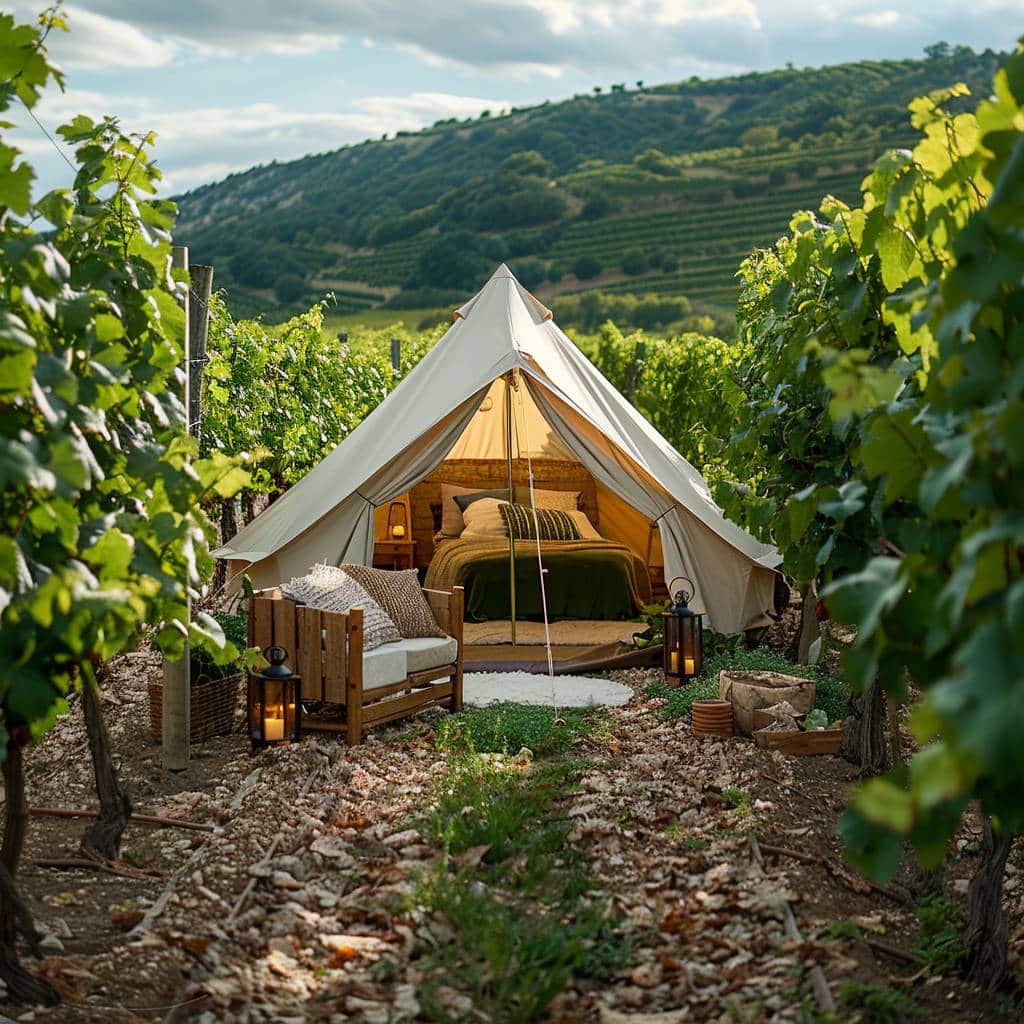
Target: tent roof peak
[503,287]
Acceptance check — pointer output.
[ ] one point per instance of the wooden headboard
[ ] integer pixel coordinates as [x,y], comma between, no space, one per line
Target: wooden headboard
[548,474]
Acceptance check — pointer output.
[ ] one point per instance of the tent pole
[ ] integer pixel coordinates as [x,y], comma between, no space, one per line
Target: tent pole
[511,539]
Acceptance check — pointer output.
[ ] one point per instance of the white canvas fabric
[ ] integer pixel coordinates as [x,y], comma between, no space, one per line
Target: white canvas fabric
[440,409]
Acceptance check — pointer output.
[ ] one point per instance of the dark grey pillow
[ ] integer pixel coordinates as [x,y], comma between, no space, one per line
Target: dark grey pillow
[465,500]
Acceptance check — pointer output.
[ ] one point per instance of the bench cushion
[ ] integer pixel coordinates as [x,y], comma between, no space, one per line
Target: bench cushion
[427,652]
[384,665]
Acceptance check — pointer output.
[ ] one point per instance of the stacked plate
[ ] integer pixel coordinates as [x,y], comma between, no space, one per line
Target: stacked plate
[712,718]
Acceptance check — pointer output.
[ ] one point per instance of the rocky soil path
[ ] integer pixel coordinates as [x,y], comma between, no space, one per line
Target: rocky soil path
[301,903]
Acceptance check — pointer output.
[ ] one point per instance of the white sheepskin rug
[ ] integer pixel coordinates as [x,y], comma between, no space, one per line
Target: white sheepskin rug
[482,688]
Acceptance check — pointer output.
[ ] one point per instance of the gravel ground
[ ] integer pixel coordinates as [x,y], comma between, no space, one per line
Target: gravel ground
[296,907]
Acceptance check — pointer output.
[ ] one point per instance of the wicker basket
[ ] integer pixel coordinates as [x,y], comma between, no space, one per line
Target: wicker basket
[213,707]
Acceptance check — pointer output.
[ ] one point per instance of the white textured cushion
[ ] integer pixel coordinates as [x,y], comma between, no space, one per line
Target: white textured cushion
[425,652]
[484,518]
[385,665]
[331,590]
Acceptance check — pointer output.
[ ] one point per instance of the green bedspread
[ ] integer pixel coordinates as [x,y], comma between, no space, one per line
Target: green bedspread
[584,580]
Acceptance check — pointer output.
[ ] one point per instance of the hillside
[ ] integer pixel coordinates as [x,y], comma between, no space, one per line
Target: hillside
[658,190]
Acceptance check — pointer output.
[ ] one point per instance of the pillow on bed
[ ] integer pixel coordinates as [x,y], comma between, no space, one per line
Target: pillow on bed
[452,522]
[465,500]
[331,590]
[399,594]
[587,529]
[483,519]
[567,501]
[525,523]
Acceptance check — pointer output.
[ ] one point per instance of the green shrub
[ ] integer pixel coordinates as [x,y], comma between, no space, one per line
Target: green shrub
[831,693]
[507,728]
[680,699]
[289,288]
[939,942]
[832,696]
[634,262]
[877,1004]
[236,630]
[587,267]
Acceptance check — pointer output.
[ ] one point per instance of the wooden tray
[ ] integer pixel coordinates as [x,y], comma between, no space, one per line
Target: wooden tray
[762,719]
[800,743]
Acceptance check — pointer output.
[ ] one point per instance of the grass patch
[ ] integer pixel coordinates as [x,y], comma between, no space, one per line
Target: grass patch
[877,1004]
[831,693]
[523,912]
[506,728]
[735,798]
[509,959]
[843,930]
[939,942]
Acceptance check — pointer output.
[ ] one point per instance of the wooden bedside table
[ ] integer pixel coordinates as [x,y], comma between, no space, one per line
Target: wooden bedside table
[394,554]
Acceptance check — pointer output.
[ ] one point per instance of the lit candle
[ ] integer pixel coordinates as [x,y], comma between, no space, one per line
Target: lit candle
[275,728]
[688,665]
[398,531]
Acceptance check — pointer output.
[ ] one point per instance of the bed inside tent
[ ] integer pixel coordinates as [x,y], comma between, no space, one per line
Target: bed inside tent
[596,584]
[505,400]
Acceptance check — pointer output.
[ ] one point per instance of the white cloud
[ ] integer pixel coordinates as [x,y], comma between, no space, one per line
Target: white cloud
[878,19]
[498,35]
[522,38]
[201,144]
[98,41]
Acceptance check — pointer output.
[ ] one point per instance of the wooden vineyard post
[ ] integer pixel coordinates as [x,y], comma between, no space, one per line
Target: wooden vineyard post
[201,278]
[635,369]
[176,696]
[396,357]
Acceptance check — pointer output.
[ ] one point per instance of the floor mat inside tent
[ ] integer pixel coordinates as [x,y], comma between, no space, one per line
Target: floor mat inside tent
[564,633]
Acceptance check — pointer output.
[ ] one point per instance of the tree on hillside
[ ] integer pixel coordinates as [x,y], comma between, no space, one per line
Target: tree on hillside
[458,260]
[596,206]
[587,267]
[634,262]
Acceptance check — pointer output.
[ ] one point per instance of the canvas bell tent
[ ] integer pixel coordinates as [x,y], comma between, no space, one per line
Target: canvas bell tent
[505,385]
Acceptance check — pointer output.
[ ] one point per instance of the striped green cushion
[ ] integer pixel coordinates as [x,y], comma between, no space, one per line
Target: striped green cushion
[550,523]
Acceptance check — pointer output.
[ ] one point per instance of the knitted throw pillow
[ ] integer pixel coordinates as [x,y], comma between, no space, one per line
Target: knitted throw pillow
[549,524]
[332,590]
[399,594]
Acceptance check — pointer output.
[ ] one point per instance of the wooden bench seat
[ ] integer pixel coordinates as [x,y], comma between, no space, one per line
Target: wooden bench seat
[326,650]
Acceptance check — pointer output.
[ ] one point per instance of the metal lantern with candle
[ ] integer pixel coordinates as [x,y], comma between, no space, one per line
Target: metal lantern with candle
[397,524]
[274,702]
[684,635]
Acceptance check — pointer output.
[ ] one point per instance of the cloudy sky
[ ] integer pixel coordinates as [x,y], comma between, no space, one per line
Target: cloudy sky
[231,83]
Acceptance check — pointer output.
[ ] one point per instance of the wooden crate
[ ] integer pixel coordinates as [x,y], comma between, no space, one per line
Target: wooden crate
[800,743]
